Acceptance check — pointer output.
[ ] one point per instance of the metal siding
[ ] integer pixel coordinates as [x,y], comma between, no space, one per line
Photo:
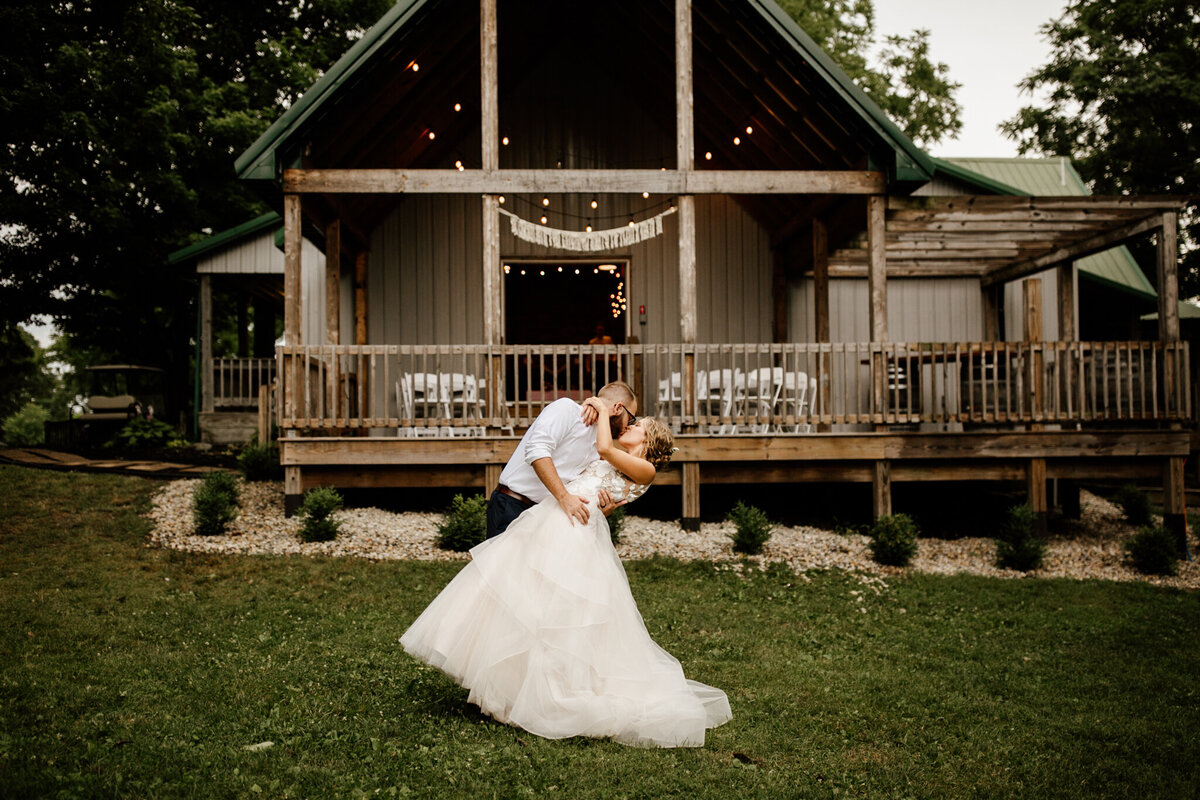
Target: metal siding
[255,256]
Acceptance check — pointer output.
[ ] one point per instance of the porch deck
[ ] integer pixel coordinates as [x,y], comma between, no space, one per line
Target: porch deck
[451,415]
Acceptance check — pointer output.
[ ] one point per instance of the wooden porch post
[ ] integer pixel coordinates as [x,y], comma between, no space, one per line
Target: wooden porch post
[881,479]
[1174,499]
[820,259]
[1035,492]
[333,281]
[490,159]
[685,162]
[991,312]
[206,365]
[1032,288]
[360,299]
[290,377]
[1067,490]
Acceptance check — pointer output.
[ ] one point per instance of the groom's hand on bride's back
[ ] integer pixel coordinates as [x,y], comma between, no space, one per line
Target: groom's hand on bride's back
[589,414]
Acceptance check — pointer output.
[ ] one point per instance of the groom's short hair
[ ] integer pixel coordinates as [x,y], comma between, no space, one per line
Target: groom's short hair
[618,392]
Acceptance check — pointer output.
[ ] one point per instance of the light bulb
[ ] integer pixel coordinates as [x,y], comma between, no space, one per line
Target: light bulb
[577,270]
[589,230]
[543,219]
[560,269]
[504,141]
[708,156]
[545,201]
[507,269]
[522,272]
[432,135]
[542,272]
[749,129]
[416,67]
[645,194]
[458,106]
[593,202]
[737,140]
[631,224]
[501,198]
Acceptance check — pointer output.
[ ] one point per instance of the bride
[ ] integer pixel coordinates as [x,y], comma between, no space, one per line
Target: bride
[541,626]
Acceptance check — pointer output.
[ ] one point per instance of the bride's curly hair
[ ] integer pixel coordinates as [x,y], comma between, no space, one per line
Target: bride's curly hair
[659,443]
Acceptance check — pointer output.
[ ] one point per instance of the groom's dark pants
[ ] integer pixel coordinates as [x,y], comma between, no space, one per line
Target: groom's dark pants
[502,509]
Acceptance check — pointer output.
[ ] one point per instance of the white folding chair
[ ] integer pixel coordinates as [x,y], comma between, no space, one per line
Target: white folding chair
[760,390]
[796,389]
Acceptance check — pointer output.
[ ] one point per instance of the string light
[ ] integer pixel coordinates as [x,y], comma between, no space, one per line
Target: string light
[545,201]
[542,272]
[749,129]
[432,135]
[645,194]
[414,66]
[594,203]
[459,165]
[501,199]
[544,219]
[507,269]
[631,223]
[504,141]
[577,270]
[737,140]
[588,229]
[708,156]
[522,272]
[560,269]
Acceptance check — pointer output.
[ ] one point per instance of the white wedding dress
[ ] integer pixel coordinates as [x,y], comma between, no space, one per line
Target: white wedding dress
[543,630]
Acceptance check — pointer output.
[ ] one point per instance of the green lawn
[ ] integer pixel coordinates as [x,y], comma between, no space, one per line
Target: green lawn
[132,672]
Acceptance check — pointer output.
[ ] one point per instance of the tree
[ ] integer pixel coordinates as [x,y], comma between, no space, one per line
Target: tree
[1122,97]
[911,89]
[122,120]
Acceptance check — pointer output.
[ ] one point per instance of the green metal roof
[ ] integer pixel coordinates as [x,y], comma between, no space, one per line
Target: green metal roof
[225,238]
[1046,177]
[262,159]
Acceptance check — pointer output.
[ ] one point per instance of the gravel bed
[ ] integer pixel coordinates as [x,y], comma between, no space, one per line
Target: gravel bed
[1093,547]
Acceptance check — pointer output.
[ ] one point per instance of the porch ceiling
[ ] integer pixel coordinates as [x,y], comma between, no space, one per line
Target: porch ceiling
[1003,238]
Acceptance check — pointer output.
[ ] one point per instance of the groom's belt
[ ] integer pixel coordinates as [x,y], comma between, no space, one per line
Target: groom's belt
[520,498]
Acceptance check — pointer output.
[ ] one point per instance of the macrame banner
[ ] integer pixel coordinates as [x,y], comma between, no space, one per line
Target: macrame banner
[584,242]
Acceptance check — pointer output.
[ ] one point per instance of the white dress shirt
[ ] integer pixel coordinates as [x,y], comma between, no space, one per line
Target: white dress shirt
[559,433]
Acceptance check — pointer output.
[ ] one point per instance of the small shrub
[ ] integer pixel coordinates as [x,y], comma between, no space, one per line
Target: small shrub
[894,540]
[752,529]
[1134,503]
[1153,550]
[464,524]
[27,427]
[141,432]
[319,524]
[1018,546]
[616,523]
[260,462]
[214,504]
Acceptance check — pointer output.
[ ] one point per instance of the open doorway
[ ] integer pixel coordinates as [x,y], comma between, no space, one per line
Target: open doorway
[565,301]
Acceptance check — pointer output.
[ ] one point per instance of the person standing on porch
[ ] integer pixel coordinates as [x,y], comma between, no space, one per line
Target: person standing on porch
[553,452]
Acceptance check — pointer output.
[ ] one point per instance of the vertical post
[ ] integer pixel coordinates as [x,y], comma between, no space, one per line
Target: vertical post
[243,323]
[1035,491]
[877,291]
[685,152]
[691,495]
[820,264]
[206,359]
[991,313]
[1066,302]
[1174,504]
[779,326]
[1032,288]
[491,477]
[333,281]
[881,489]
[489,106]
[289,382]
[360,299]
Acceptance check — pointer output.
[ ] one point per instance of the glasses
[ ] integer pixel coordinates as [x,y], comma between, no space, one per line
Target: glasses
[632,418]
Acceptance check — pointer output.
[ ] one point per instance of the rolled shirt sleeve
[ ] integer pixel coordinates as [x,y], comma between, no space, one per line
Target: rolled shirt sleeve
[549,429]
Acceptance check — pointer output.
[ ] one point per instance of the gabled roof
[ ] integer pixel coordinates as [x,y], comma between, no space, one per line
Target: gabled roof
[225,238]
[264,159]
[1048,177]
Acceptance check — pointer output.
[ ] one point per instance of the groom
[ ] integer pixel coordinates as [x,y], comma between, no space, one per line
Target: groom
[554,451]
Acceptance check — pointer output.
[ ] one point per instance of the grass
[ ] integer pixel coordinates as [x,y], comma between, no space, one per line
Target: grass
[132,672]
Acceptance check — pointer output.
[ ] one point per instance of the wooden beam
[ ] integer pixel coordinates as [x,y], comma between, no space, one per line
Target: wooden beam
[690,518]
[1035,492]
[821,328]
[685,135]
[489,107]
[877,267]
[1175,502]
[991,314]
[881,489]
[575,181]
[1168,283]
[1032,293]
[333,281]
[1072,252]
[206,348]
[360,299]
[292,244]
[1066,302]
[986,203]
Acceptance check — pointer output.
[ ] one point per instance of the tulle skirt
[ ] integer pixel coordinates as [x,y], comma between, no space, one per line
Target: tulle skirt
[543,631]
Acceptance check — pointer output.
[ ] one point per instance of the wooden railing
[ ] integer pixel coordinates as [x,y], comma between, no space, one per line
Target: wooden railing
[236,381]
[735,388]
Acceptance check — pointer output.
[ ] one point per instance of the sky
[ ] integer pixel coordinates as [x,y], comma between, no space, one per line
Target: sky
[989,46]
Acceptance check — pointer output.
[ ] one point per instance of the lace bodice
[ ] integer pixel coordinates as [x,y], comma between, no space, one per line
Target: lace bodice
[603,475]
